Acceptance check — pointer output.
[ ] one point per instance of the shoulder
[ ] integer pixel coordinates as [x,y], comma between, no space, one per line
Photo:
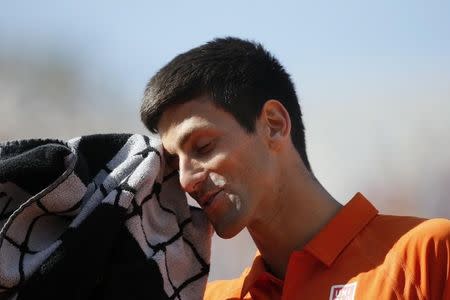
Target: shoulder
[411,241]
[439,228]
[408,230]
[225,289]
[222,289]
[417,253]
[429,232]
[424,253]
[412,234]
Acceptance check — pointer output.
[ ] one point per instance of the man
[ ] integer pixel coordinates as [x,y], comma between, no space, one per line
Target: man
[230,121]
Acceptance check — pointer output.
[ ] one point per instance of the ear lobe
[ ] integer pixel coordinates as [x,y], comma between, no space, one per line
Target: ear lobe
[277,120]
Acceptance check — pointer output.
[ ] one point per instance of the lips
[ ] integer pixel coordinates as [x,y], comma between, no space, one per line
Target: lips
[206,200]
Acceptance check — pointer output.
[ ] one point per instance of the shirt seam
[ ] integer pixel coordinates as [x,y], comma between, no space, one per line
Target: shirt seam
[374,264]
[409,276]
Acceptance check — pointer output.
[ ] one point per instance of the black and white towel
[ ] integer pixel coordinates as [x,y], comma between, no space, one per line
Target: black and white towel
[97,217]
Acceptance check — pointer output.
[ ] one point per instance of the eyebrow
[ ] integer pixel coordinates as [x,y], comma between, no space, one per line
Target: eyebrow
[185,136]
[183,139]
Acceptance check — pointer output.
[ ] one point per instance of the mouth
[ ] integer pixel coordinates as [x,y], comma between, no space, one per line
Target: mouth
[208,199]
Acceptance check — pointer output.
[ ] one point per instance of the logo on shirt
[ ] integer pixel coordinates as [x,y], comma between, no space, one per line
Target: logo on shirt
[343,291]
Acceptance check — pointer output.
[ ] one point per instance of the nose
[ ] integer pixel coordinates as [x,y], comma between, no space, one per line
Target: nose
[192,175]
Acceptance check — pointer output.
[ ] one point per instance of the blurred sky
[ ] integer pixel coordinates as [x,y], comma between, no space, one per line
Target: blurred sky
[373,79]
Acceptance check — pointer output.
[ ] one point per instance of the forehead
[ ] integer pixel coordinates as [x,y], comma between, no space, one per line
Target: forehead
[191,113]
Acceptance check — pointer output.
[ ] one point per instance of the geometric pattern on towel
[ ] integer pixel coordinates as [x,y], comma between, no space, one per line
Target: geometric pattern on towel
[97,217]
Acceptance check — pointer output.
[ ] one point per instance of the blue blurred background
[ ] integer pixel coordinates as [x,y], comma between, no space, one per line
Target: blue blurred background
[373,79]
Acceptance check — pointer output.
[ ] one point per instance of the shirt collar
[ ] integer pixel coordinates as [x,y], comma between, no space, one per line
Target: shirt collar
[342,229]
[258,271]
[328,243]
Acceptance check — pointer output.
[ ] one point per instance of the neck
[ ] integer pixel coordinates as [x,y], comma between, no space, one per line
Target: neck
[288,222]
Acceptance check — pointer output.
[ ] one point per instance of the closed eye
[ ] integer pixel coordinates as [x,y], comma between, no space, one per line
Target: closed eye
[205,149]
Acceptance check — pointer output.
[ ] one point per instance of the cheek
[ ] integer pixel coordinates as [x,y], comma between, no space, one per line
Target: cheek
[217,179]
[238,164]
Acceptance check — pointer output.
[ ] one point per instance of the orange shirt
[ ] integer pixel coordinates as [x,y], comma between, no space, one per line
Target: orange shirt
[359,254]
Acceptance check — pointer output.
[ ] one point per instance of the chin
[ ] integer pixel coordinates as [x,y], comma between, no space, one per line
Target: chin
[227,232]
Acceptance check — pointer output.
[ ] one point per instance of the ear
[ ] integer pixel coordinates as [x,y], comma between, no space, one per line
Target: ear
[276,122]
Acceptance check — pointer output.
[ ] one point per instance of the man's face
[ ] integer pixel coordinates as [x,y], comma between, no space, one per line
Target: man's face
[224,168]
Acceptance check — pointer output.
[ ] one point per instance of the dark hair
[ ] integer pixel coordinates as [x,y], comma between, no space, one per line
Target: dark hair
[238,75]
